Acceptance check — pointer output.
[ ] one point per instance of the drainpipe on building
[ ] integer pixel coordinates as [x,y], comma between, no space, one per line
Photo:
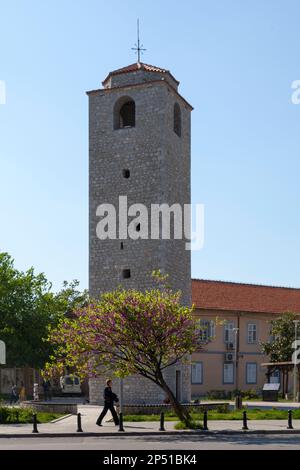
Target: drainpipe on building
[238,399]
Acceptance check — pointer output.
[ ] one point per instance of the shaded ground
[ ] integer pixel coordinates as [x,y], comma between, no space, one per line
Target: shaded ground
[153,443]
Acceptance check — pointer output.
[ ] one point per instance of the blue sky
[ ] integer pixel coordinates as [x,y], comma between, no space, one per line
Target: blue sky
[236,60]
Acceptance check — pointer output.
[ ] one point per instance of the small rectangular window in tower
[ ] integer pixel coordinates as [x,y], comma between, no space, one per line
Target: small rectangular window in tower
[126,173]
[122,246]
[138,227]
[126,273]
[177,119]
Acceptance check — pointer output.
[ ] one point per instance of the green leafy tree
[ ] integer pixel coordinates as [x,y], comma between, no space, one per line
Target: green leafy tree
[279,347]
[127,332]
[70,297]
[27,308]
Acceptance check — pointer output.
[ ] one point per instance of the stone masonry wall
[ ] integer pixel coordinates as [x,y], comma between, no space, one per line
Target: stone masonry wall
[159,164]
[138,390]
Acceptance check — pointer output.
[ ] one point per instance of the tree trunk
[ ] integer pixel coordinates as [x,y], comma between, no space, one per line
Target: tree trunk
[180,411]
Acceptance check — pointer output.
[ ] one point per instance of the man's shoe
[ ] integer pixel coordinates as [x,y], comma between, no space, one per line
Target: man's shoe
[99,424]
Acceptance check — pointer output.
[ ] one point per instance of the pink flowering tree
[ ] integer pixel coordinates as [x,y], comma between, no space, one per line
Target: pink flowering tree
[127,332]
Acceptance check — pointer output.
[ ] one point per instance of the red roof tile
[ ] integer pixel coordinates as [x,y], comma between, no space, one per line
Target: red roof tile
[232,296]
[138,66]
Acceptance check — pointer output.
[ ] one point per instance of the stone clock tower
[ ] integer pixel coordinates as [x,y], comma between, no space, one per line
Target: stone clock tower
[139,147]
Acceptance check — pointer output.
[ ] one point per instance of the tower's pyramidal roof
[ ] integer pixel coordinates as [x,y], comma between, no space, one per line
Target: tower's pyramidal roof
[136,67]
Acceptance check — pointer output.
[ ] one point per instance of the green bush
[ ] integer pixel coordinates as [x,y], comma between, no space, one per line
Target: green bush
[221,409]
[250,394]
[219,395]
[17,415]
[4,414]
[192,425]
[231,394]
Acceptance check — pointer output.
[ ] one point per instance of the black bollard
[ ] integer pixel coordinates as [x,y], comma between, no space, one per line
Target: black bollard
[121,427]
[205,427]
[290,420]
[245,427]
[79,428]
[35,429]
[162,421]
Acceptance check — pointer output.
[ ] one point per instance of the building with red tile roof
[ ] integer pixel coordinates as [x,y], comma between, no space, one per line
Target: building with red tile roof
[237,318]
[235,296]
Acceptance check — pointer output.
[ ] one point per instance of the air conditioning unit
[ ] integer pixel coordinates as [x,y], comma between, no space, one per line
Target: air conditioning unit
[229,357]
[230,346]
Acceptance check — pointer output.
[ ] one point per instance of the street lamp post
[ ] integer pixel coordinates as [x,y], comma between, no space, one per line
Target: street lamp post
[295,361]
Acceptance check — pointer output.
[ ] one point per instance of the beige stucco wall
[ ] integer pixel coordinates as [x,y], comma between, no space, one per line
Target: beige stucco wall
[212,355]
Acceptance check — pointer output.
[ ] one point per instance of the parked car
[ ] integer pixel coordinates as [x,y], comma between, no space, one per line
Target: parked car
[70,384]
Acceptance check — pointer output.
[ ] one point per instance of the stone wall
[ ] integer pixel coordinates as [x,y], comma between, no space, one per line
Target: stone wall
[60,408]
[139,390]
[159,164]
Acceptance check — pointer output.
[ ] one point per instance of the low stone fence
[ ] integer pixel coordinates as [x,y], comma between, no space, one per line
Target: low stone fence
[158,408]
[47,406]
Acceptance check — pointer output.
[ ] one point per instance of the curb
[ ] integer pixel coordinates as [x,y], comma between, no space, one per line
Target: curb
[155,433]
[61,418]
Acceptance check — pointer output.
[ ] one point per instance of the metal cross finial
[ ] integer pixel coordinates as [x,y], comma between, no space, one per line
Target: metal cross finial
[139,49]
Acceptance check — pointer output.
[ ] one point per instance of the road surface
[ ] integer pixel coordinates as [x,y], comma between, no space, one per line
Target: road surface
[151,443]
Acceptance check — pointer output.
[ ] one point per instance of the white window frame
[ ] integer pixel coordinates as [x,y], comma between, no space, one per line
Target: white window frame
[195,381]
[207,330]
[228,331]
[230,380]
[249,379]
[252,333]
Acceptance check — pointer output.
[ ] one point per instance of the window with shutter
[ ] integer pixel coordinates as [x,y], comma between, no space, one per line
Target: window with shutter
[228,332]
[252,333]
[228,376]
[251,373]
[197,372]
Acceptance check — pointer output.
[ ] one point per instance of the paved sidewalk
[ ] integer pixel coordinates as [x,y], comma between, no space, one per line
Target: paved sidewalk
[279,405]
[90,413]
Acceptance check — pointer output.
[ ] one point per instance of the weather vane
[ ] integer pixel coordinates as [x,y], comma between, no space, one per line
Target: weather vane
[139,48]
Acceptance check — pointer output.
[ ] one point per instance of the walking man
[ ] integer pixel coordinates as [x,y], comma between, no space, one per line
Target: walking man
[109,399]
[13,394]
[46,384]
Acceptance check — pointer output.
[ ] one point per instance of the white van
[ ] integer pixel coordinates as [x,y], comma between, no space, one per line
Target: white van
[70,384]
